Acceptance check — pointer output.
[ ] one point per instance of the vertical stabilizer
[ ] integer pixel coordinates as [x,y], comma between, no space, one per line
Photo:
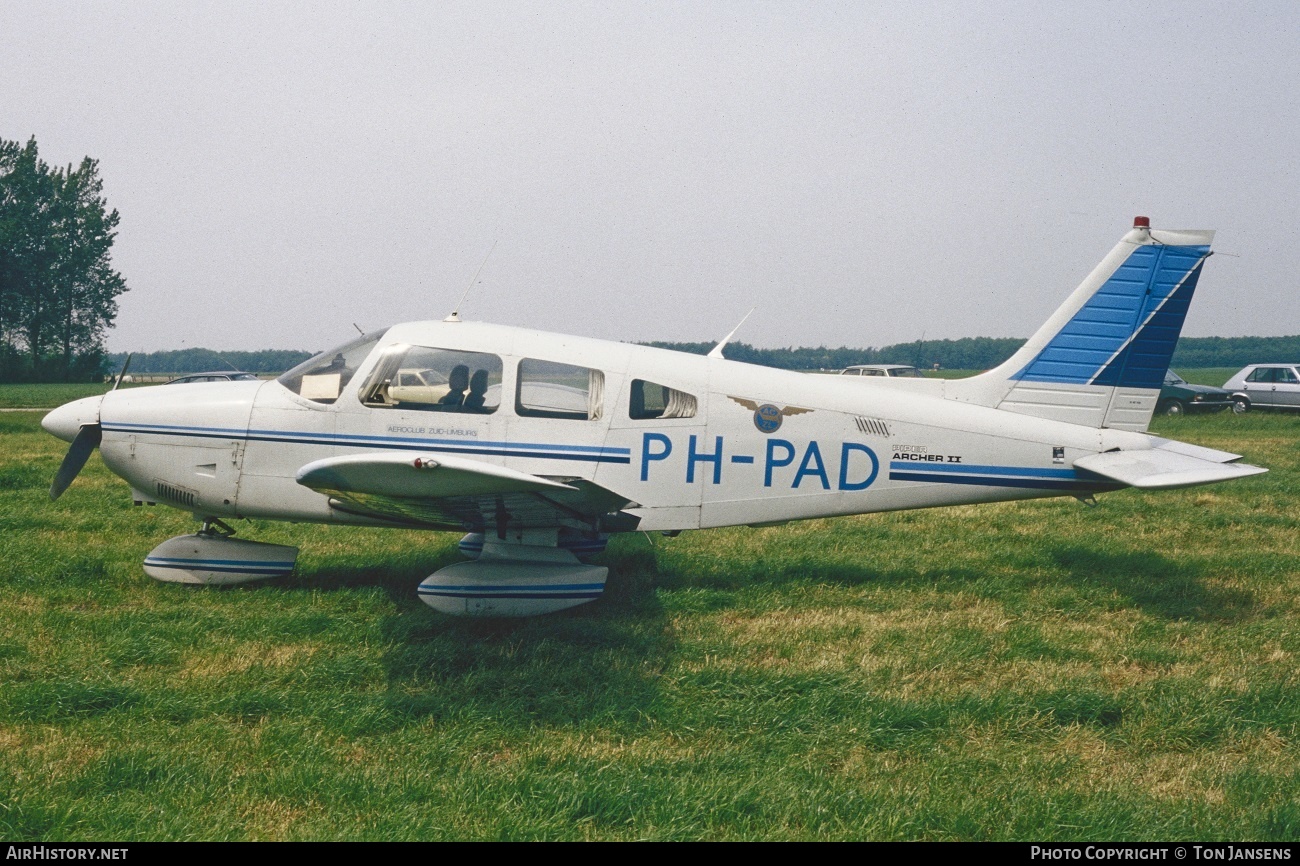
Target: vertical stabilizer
[1101,358]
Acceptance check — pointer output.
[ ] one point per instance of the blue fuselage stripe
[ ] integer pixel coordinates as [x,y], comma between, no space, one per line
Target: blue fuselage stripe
[583,453]
[1033,483]
[971,469]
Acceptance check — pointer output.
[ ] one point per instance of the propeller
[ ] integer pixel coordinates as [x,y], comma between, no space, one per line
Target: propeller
[87,439]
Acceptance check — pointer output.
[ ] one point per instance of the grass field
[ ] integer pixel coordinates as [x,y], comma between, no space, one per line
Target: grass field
[1036,671]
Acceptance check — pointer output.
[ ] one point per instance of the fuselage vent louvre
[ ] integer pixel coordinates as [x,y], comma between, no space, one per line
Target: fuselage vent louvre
[873,426]
[178,495]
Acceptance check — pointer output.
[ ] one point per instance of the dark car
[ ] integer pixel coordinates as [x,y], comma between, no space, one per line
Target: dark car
[216,376]
[1179,396]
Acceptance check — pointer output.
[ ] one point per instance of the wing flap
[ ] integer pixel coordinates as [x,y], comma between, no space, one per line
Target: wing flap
[1160,469]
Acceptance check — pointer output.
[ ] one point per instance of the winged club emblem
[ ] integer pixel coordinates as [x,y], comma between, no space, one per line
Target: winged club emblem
[767,418]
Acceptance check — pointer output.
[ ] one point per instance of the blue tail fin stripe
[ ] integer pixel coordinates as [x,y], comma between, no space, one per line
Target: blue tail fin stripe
[1142,362]
[1117,316]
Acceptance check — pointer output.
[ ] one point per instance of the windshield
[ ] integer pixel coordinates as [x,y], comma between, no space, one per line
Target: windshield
[1172,378]
[323,377]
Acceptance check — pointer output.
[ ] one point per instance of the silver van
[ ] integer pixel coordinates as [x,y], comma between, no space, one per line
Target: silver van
[1270,386]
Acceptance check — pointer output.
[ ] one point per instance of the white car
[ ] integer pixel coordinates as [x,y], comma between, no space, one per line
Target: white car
[418,386]
[216,376]
[904,370]
[1270,386]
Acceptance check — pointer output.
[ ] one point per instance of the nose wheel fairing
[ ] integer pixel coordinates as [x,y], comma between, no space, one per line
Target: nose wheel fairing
[212,557]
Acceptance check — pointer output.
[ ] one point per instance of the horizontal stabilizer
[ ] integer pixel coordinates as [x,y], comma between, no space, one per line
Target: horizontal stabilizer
[1160,469]
[1212,454]
[408,476]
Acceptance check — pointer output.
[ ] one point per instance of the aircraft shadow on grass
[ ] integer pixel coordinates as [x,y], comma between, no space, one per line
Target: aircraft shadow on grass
[1157,585]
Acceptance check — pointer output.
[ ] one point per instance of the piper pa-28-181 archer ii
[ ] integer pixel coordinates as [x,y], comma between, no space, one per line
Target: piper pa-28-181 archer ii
[541,445]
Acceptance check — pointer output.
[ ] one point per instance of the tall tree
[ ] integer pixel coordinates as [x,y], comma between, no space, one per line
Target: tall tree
[58,289]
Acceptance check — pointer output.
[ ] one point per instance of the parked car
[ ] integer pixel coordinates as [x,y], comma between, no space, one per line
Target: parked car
[215,376]
[1178,396]
[420,386]
[903,370]
[1270,386]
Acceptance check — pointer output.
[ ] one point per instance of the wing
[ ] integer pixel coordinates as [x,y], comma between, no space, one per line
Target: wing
[794,410]
[748,404]
[444,492]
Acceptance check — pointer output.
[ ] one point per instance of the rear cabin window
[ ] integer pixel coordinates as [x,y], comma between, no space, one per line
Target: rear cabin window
[323,377]
[652,400]
[1261,374]
[548,389]
[434,380]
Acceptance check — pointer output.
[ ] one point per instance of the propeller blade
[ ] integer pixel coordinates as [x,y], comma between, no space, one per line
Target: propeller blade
[126,365]
[78,453]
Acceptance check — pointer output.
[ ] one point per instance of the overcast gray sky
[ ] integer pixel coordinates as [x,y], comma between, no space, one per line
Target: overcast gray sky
[861,172]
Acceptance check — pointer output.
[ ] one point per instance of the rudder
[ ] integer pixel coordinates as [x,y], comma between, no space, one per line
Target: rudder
[1101,358]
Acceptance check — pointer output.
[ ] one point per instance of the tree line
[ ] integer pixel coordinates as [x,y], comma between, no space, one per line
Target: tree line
[203,360]
[983,353]
[968,353]
[1236,351]
[58,289]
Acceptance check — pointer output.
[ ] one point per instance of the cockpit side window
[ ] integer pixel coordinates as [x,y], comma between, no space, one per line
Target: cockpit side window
[434,380]
[548,389]
[651,400]
[323,377]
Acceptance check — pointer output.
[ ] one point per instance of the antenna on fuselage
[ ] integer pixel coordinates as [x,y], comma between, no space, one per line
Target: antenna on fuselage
[455,314]
[126,365]
[224,360]
[358,327]
[716,351]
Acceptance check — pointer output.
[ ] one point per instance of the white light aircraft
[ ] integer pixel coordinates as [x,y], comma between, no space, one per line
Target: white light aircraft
[541,445]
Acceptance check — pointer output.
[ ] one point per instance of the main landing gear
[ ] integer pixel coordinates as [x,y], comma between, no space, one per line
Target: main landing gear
[524,575]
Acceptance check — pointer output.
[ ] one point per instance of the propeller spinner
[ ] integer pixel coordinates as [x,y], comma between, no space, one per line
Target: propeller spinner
[77,422]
